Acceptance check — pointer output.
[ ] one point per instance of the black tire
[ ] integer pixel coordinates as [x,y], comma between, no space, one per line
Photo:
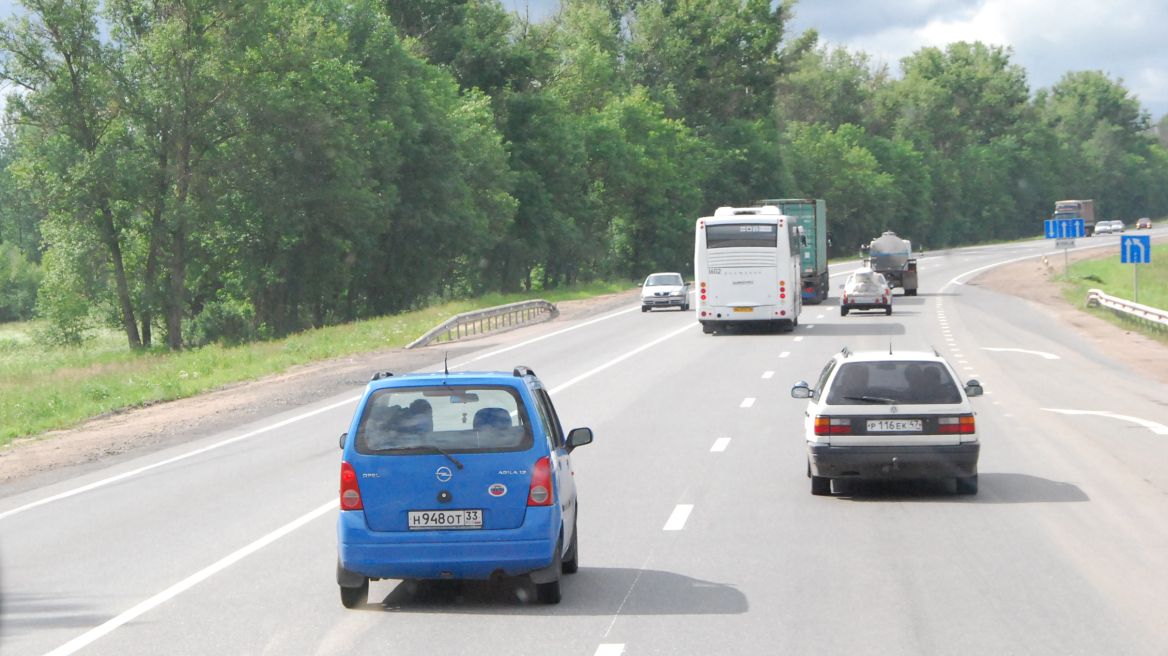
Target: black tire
[888,310]
[910,292]
[355,597]
[571,564]
[843,312]
[821,486]
[644,308]
[967,485]
[685,308]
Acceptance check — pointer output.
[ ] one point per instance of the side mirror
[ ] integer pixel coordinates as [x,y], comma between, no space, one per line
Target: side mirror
[344,437]
[579,437]
[801,391]
[973,388]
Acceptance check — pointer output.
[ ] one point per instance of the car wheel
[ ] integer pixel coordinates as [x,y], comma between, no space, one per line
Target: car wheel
[821,486]
[355,597]
[644,308]
[888,310]
[910,292]
[685,308]
[572,563]
[967,485]
[843,312]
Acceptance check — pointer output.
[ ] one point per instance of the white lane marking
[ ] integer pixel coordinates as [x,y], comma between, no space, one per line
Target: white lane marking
[784,354]
[610,650]
[622,358]
[967,368]
[819,316]
[1159,429]
[135,472]
[543,337]
[677,519]
[189,582]
[720,444]
[810,326]
[767,374]
[628,594]
[954,281]
[1048,356]
[963,362]
[747,402]
[799,339]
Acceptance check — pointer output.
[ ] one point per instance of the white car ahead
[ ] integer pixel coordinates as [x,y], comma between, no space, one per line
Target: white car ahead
[866,290]
[665,290]
[890,416]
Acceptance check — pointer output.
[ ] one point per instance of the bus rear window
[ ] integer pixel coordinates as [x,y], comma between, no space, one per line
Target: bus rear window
[740,235]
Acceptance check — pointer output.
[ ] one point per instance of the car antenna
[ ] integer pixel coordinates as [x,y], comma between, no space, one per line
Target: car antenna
[889,346]
[445,360]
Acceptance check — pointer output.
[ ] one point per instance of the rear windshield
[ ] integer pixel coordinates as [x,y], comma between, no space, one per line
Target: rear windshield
[664,279]
[737,235]
[867,283]
[886,383]
[474,419]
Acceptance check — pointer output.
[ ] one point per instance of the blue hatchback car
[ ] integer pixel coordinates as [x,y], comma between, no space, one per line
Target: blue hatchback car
[457,476]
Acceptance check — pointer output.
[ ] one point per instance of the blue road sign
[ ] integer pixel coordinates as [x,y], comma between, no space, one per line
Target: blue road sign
[1135,249]
[1064,228]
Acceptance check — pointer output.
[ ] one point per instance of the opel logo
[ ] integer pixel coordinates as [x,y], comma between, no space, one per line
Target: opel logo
[444,474]
[893,409]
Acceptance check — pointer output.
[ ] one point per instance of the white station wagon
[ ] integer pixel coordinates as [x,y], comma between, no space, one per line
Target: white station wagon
[890,416]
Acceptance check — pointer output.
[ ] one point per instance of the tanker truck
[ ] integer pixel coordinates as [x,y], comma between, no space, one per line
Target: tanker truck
[892,256]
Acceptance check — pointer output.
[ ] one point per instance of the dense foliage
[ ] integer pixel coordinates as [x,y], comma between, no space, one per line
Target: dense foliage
[223,170]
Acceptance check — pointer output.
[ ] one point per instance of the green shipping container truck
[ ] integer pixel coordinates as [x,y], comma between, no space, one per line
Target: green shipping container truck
[811,215]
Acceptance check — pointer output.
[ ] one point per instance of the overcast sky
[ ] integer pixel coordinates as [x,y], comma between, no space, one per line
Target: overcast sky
[1126,38]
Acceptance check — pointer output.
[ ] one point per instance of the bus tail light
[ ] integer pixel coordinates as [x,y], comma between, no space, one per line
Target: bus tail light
[964,424]
[540,493]
[829,426]
[350,493]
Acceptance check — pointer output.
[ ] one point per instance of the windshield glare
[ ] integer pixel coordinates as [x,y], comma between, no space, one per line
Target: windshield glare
[475,419]
[661,279]
[900,383]
[867,283]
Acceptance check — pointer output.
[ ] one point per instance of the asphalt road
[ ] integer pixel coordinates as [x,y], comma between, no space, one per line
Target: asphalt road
[227,545]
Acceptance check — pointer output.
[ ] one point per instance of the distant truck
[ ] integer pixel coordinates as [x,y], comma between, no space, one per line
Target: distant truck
[1077,209]
[892,256]
[811,215]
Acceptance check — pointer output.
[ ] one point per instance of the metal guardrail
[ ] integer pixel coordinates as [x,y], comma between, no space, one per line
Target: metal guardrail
[1150,317]
[480,321]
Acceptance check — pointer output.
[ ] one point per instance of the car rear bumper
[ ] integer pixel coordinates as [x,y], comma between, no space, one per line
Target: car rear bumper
[866,305]
[883,462]
[758,313]
[447,554]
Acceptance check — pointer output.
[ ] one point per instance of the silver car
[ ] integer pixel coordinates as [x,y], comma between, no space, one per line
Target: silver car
[664,290]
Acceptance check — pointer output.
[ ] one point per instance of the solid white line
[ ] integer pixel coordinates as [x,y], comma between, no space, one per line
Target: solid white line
[543,337]
[1159,429]
[610,650]
[622,358]
[746,403]
[189,582]
[767,374]
[135,472]
[1048,356]
[784,354]
[677,519]
[720,444]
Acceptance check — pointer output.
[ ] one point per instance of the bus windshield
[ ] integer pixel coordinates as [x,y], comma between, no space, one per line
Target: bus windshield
[739,235]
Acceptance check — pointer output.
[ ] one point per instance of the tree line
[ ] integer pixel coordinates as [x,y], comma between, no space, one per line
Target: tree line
[225,170]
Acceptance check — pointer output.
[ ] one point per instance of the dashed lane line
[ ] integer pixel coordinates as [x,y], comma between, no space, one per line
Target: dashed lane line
[613,649]
[799,339]
[677,519]
[784,354]
[747,402]
[768,374]
[720,445]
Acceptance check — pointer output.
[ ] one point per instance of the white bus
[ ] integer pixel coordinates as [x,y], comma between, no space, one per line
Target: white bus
[747,261]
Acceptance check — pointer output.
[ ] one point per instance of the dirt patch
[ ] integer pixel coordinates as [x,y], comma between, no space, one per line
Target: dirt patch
[31,462]
[1030,280]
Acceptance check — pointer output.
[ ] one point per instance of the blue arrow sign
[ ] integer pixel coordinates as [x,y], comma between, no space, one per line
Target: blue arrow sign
[1064,228]
[1135,249]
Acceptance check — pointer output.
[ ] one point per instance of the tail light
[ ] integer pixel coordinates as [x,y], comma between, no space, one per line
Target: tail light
[541,484]
[350,493]
[829,426]
[963,424]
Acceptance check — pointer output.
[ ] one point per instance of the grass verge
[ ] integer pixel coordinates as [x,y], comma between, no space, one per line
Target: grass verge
[1118,279]
[45,389]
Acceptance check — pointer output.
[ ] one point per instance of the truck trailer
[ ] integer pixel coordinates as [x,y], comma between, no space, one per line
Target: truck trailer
[892,256]
[1077,209]
[811,215]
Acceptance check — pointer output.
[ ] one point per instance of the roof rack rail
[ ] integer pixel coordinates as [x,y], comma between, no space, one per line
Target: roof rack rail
[378,375]
[522,371]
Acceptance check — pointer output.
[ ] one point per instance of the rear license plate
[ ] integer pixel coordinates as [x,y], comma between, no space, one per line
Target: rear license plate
[894,425]
[429,520]
[744,309]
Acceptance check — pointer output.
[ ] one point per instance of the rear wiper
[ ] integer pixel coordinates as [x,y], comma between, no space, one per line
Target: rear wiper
[871,399]
[426,446]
